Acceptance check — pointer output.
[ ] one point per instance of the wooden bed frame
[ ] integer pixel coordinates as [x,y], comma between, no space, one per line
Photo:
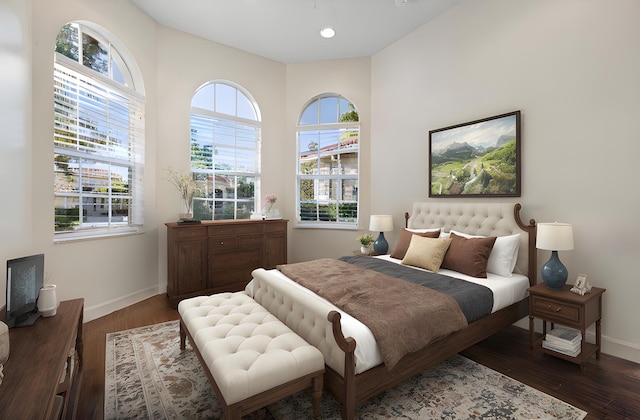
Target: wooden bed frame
[353,389]
[317,321]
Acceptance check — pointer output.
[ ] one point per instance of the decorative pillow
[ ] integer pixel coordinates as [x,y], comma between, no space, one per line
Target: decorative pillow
[426,252]
[468,255]
[405,237]
[412,230]
[504,255]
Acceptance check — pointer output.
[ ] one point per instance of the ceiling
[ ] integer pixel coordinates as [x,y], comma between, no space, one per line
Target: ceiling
[287,31]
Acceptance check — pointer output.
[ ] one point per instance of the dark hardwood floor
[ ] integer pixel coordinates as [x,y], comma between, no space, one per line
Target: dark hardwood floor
[608,389]
[150,311]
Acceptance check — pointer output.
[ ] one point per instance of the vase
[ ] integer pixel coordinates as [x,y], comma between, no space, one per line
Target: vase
[273,214]
[48,300]
[364,249]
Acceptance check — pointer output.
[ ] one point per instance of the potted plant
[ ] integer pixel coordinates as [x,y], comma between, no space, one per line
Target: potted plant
[365,242]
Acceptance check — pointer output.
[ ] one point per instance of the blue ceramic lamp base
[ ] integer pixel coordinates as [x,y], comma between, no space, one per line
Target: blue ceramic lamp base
[380,246]
[554,273]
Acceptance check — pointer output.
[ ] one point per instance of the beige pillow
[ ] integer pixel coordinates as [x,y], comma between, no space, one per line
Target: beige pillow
[426,252]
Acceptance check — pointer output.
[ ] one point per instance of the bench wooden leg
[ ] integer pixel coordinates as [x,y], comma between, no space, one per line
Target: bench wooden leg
[317,395]
[183,337]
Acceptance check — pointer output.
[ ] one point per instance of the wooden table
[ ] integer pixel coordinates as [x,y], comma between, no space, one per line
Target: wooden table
[571,310]
[42,375]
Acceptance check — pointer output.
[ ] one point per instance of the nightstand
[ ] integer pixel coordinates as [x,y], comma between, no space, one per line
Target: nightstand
[569,309]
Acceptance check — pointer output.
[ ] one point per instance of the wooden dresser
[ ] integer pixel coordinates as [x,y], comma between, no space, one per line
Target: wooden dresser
[42,375]
[219,256]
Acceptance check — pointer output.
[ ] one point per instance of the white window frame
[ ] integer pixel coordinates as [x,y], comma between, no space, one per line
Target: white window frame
[71,77]
[241,206]
[338,177]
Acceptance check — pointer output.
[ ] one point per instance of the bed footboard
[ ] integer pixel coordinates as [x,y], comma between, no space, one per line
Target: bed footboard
[319,324]
[315,321]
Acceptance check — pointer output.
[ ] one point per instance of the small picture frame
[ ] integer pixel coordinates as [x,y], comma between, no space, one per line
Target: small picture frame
[581,286]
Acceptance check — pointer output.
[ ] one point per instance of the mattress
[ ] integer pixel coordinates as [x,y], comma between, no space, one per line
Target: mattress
[506,291]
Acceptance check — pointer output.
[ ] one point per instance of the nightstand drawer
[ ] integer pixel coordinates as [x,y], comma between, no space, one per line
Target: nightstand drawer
[554,310]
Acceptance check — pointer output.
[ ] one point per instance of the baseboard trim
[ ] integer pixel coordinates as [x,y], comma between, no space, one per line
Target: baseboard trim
[619,348]
[97,311]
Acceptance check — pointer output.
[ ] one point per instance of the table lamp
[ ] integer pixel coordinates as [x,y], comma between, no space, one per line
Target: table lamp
[381,223]
[554,237]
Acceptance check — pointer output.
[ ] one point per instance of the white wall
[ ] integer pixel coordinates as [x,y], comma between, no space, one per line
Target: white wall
[351,79]
[185,63]
[572,67]
[15,120]
[108,273]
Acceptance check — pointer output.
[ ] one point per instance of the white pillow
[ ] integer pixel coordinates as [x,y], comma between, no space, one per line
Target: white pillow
[503,257]
[423,230]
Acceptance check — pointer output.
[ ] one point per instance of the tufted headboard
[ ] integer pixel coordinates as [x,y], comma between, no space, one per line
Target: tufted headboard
[480,218]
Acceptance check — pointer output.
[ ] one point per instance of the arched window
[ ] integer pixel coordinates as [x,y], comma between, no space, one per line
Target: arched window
[328,143]
[225,151]
[98,137]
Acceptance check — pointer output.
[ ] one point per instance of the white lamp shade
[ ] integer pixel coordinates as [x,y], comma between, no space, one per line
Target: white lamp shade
[554,236]
[381,223]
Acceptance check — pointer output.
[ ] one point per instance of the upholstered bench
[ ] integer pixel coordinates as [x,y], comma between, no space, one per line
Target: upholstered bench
[251,358]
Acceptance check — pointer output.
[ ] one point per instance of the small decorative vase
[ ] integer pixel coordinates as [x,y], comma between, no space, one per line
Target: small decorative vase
[272,214]
[48,300]
[364,249]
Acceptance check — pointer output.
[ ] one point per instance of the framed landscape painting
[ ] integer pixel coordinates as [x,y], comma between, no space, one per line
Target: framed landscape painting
[476,159]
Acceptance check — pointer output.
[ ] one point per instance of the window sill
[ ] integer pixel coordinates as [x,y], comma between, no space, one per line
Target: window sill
[93,234]
[335,226]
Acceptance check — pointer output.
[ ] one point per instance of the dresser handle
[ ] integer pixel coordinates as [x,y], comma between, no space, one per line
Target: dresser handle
[221,242]
[558,309]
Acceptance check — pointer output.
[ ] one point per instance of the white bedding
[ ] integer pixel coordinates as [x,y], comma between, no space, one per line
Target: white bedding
[506,291]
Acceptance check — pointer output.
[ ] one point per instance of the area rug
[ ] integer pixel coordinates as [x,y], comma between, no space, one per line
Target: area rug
[147,376]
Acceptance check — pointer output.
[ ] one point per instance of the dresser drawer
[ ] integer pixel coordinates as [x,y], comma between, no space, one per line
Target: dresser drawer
[192,232]
[232,243]
[553,310]
[248,258]
[233,229]
[275,227]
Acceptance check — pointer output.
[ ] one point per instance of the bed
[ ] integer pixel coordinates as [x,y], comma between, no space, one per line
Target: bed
[355,371]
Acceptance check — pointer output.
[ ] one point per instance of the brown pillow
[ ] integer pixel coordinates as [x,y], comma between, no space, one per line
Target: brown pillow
[468,255]
[426,252]
[405,238]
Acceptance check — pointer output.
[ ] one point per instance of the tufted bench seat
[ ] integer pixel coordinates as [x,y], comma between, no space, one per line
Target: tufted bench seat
[250,357]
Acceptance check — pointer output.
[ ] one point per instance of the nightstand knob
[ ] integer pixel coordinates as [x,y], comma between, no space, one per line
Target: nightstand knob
[558,309]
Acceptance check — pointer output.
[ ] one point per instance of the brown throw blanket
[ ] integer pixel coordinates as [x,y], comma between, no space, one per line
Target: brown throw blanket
[403,317]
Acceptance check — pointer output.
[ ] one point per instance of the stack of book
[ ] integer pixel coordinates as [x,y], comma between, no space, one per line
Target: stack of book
[563,340]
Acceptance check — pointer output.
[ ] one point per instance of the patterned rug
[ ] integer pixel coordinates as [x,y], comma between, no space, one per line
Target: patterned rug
[148,377]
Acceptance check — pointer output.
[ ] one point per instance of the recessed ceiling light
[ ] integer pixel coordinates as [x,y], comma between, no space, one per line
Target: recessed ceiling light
[327,32]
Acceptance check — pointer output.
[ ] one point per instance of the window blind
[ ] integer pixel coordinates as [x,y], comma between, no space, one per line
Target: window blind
[98,148]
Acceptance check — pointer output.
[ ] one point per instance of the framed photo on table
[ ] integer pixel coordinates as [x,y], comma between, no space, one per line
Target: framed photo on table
[581,286]
[476,159]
